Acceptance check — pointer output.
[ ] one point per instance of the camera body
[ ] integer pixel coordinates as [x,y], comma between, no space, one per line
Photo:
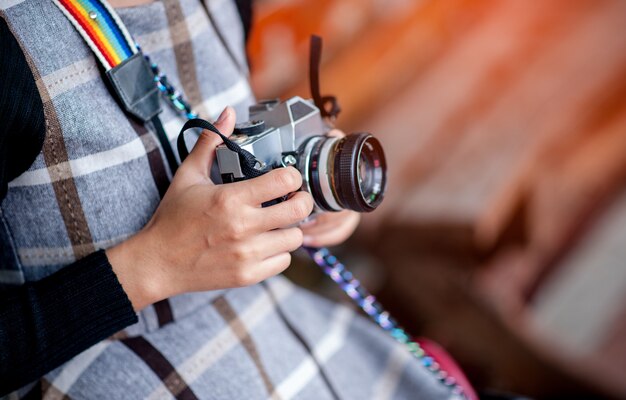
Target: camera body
[275,130]
[340,173]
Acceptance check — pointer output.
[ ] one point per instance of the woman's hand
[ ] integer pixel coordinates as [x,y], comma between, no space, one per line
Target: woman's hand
[205,236]
[330,228]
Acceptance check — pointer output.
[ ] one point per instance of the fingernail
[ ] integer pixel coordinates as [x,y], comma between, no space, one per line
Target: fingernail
[307,223]
[306,240]
[223,116]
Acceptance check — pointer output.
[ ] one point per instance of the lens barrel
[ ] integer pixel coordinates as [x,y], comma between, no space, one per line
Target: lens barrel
[346,173]
[318,174]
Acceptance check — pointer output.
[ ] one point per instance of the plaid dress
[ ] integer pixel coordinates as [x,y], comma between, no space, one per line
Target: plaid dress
[99,178]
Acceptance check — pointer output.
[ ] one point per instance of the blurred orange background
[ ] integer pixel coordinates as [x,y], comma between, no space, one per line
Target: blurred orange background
[503,233]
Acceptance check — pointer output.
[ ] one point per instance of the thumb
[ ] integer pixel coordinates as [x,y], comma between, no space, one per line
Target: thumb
[202,155]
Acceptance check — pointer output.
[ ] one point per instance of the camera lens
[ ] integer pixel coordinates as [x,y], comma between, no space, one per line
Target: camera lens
[359,172]
[345,173]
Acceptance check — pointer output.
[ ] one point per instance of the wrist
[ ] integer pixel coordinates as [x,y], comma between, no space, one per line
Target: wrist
[137,271]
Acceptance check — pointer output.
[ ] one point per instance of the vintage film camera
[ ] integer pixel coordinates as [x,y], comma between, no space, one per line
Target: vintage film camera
[340,173]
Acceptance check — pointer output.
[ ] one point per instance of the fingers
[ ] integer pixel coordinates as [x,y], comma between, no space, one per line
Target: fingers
[254,259]
[270,186]
[335,133]
[324,222]
[202,155]
[275,265]
[330,231]
[266,269]
[272,243]
[286,213]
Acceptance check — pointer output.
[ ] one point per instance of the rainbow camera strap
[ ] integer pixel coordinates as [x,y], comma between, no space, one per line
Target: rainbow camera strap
[101,28]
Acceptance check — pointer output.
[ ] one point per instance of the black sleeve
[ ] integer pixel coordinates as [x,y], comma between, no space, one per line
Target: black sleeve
[22,123]
[45,323]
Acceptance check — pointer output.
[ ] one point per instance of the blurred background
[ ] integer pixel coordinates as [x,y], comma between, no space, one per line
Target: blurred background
[503,233]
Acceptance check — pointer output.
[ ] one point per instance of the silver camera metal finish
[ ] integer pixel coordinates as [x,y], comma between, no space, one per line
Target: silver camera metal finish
[305,164]
[287,126]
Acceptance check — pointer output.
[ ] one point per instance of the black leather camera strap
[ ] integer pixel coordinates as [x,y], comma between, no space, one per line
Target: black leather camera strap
[328,105]
[246,159]
[165,144]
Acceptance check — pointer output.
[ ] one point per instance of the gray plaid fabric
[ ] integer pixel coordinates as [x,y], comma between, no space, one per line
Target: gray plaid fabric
[98,180]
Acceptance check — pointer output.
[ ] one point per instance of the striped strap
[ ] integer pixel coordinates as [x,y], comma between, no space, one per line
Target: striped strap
[101,28]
